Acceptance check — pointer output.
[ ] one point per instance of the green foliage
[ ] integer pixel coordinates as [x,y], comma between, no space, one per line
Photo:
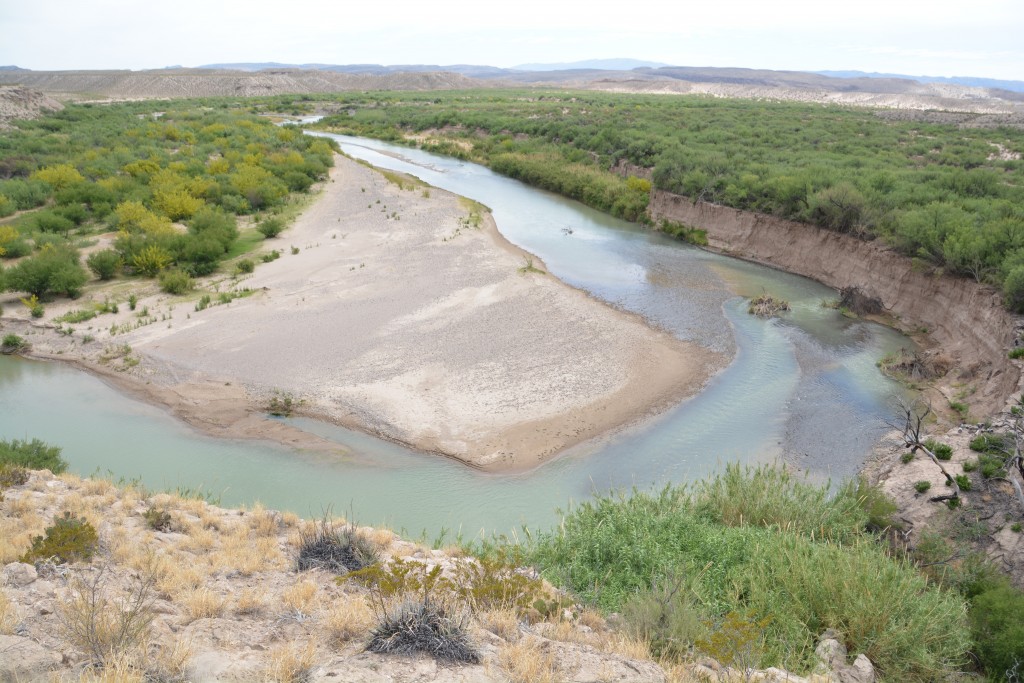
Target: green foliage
[270,227]
[34,306]
[922,486]
[246,265]
[1017,353]
[54,270]
[74,317]
[989,443]
[970,465]
[933,191]
[942,451]
[281,405]
[878,506]
[666,617]
[998,629]
[69,539]
[13,343]
[272,256]
[906,458]
[686,233]
[105,264]
[34,454]
[736,640]
[203,303]
[963,481]
[175,282]
[151,260]
[781,559]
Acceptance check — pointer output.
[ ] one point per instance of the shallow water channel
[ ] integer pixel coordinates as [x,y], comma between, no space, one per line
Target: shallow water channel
[804,388]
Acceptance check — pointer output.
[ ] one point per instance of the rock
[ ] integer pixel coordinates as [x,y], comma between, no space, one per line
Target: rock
[19,574]
[861,671]
[831,653]
[22,659]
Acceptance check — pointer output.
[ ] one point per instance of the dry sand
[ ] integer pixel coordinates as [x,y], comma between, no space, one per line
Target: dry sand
[397,318]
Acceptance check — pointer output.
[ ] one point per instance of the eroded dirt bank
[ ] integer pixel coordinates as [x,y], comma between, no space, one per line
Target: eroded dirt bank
[966,320]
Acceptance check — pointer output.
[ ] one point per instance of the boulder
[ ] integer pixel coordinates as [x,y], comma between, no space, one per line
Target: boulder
[19,574]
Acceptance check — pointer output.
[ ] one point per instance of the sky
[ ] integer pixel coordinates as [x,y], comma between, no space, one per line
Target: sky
[982,38]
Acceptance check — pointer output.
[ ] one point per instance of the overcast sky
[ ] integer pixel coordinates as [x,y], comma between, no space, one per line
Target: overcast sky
[933,37]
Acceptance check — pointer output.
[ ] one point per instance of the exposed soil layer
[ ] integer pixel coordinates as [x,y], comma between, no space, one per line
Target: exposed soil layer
[965,320]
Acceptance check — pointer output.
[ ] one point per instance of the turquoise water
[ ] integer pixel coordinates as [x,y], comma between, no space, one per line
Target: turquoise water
[804,389]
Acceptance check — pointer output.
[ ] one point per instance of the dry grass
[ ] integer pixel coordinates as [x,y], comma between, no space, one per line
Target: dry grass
[177,577]
[247,555]
[8,614]
[300,597]
[526,662]
[202,603]
[291,663]
[16,533]
[592,619]
[382,538]
[264,522]
[249,602]
[20,507]
[120,670]
[290,520]
[348,618]
[503,623]
[169,661]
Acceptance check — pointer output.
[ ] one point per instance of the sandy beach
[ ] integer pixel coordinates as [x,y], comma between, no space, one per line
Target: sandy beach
[395,315]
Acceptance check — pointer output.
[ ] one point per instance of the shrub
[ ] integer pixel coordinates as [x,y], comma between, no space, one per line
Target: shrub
[246,266]
[963,481]
[942,451]
[203,303]
[12,343]
[337,550]
[157,519]
[992,466]
[1017,353]
[272,256]
[970,465]
[270,227]
[989,443]
[424,626]
[54,270]
[104,628]
[767,306]
[150,260]
[665,617]
[922,486]
[105,264]
[878,506]
[998,629]
[906,458]
[12,475]
[34,454]
[175,282]
[69,539]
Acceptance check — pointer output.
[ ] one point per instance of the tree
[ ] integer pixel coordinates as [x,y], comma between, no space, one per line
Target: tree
[54,270]
[911,423]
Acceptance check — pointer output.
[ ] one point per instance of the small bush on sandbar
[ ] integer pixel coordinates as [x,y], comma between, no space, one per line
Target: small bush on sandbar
[69,539]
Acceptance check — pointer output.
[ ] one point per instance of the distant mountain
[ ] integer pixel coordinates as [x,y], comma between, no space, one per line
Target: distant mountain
[11,67]
[471,70]
[598,64]
[970,81]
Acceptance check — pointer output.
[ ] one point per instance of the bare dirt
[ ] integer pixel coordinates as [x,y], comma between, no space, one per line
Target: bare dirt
[19,102]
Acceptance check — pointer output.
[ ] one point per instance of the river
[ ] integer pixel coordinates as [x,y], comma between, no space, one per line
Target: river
[804,388]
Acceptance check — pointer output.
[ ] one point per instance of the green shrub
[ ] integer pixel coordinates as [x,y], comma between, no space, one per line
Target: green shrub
[105,264]
[989,443]
[12,343]
[942,451]
[963,481]
[922,486]
[1017,352]
[906,458]
[770,496]
[133,301]
[970,465]
[246,266]
[69,539]
[992,466]
[998,629]
[878,506]
[176,282]
[270,227]
[54,270]
[666,617]
[34,454]
[272,256]
[203,303]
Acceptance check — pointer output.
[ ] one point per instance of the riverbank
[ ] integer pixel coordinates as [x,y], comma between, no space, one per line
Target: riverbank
[399,310]
[964,322]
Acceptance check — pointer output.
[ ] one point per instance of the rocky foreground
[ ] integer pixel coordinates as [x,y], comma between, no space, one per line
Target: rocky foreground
[181,590]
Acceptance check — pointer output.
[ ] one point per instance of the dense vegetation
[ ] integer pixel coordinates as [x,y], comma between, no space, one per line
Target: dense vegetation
[171,183]
[949,196]
[752,566]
